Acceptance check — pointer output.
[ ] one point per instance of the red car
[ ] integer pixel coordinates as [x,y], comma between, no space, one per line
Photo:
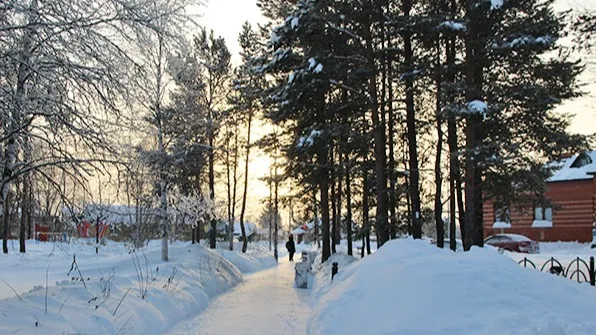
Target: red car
[513,242]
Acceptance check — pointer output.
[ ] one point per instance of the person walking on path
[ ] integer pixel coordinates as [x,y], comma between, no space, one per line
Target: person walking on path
[291,247]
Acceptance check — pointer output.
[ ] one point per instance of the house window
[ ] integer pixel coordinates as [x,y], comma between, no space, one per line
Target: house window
[543,213]
[502,214]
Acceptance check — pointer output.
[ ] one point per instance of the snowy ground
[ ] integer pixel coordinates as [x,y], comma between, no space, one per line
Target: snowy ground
[565,253]
[197,292]
[412,288]
[120,297]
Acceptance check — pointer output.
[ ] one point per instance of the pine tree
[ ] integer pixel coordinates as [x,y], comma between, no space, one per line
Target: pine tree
[516,74]
[213,54]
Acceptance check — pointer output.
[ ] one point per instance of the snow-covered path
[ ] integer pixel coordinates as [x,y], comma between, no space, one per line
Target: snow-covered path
[264,303]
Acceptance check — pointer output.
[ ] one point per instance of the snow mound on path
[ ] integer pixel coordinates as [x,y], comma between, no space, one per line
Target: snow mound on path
[410,287]
[322,271]
[252,261]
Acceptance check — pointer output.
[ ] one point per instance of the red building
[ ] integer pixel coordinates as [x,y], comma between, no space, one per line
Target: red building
[571,189]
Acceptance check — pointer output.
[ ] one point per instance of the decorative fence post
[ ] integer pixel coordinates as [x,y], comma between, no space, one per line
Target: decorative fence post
[333,270]
[592,272]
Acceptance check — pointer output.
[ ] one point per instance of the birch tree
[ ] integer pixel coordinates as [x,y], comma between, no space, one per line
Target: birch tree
[66,73]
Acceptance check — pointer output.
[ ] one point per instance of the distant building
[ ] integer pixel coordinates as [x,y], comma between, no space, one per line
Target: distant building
[571,189]
[249,228]
[109,219]
[305,232]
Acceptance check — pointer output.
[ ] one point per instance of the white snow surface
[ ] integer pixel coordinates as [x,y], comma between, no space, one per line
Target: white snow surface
[265,303]
[411,287]
[309,140]
[542,224]
[452,25]
[176,289]
[477,106]
[530,40]
[249,228]
[322,271]
[501,224]
[496,4]
[566,172]
[291,77]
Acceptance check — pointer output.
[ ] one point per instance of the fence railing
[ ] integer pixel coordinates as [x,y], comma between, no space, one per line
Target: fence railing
[578,269]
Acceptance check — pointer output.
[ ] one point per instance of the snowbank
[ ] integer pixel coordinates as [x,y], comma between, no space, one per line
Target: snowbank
[410,287]
[251,261]
[126,291]
[322,271]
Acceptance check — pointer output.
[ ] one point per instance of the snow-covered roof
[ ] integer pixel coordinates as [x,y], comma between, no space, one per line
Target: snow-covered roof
[250,228]
[306,227]
[298,231]
[577,167]
[115,214]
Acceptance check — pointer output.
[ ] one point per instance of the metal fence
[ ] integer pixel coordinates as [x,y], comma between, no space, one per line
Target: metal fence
[578,269]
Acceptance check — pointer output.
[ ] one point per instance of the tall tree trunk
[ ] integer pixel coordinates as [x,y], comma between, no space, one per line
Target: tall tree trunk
[229,191]
[452,227]
[365,209]
[333,206]
[234,183]
[408,202]
[348,205]
[29,215]
[438,177]
[337,235]
[25,211]
[454,174]
[411,125]
[474,132]
[162,151]
[276,214]
[385,88]
[363,246]
[213,230]
[438,182]
[6,224]
[270,205]
[16,115]
[324,188]
[27,194]
[316,222]
[392,166]
[244,194]
[379,149]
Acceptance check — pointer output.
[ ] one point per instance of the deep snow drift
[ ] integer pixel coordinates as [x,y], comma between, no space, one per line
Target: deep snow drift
[410,287]
[126,292]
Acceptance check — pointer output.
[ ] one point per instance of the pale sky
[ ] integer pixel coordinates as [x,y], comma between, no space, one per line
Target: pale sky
[226,18]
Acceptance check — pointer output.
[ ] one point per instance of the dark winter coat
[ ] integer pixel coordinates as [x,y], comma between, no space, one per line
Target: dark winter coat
[291,246]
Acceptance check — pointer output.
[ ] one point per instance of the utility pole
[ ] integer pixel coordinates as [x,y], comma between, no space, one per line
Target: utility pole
[290,214]
[276,182]
[270,208]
